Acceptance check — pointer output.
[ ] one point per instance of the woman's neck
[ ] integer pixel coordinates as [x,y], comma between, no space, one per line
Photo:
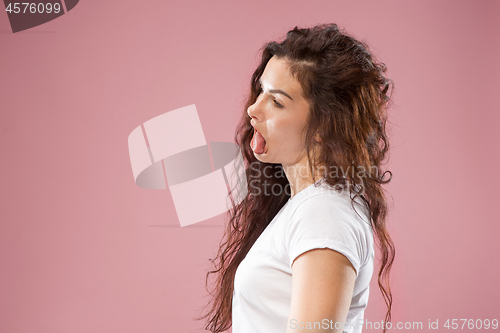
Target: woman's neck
[299,176]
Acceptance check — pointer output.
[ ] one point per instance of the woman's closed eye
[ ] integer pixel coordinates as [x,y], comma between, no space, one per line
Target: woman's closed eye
[276,103]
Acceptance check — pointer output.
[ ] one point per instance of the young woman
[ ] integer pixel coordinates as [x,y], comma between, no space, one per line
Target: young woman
[298,252]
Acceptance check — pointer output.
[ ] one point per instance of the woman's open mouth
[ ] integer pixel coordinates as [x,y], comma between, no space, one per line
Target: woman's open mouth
[258,143]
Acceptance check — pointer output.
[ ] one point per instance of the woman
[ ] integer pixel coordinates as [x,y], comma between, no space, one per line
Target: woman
[298,252]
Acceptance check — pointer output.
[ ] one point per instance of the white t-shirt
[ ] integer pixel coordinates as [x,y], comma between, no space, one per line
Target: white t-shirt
[316,217]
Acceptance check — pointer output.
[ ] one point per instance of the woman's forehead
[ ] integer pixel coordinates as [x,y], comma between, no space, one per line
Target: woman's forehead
[277,76]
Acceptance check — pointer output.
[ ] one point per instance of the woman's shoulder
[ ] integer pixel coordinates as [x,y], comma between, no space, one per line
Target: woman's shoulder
[324,217]
[325,199]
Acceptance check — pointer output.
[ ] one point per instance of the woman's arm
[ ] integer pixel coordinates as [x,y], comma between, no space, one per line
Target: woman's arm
[322,287]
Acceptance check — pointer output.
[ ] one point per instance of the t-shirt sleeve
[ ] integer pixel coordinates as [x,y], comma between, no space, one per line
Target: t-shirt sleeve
[324,221]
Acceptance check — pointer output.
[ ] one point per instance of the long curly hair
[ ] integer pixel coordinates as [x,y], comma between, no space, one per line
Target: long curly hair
[348,94]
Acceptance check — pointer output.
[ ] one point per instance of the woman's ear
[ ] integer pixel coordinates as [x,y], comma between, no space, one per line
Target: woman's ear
[317,138]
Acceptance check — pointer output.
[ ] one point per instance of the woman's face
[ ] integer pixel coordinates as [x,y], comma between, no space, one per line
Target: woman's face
[279,114]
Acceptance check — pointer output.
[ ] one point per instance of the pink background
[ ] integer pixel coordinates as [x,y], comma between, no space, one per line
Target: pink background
[83,249]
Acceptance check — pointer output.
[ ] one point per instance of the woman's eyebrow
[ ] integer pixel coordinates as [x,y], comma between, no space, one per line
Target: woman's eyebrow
[276,91]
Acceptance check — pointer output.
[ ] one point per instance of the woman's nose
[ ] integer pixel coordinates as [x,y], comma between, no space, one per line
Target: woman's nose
[255,112]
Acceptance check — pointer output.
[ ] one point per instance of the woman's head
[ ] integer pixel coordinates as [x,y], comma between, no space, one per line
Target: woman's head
[345,92]
[334,117]
[279,116]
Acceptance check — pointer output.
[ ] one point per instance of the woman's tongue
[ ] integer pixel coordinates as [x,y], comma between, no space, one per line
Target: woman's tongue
[258,143]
